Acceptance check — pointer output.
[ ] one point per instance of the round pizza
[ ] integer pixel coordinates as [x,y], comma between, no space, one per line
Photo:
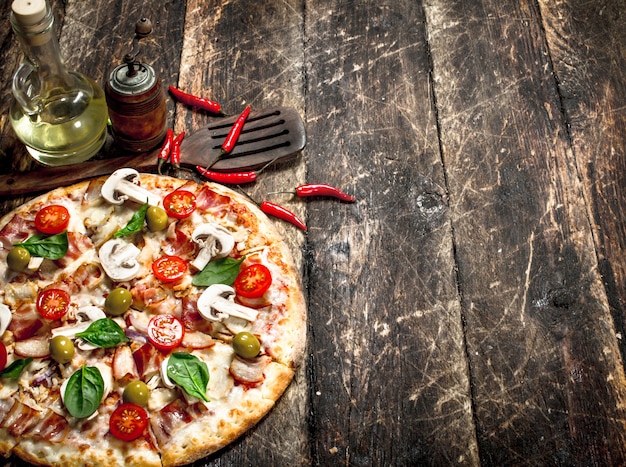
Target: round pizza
[144,320]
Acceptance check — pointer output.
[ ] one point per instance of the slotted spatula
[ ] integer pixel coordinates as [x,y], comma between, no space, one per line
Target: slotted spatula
[268,136]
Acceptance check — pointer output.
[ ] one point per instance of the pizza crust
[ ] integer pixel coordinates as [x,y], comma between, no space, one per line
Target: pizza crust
[105,454]
[217,430]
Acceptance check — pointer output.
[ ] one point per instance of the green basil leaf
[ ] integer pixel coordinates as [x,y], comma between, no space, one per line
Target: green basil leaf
[220,271]
[190,373]
[104,333]
[135,224]
[84,392]
[14,370]
[50,247]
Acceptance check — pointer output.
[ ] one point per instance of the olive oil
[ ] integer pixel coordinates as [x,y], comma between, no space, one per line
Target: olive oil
[71,126]
[61,116]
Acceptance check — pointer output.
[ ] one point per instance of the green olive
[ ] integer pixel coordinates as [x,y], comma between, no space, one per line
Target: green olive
[136,392]
[61,349]
[118,301]
[156,218]
[18,258]
[246,345]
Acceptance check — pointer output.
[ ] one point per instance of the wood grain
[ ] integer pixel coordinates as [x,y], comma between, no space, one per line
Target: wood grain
[592,74]
[385,310]
[535,309]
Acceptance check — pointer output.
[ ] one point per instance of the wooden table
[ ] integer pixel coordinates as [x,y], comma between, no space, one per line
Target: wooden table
[469,309]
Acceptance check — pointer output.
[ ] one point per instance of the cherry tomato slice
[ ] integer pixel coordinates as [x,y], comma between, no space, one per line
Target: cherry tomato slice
[52,219]
[253,281]
[3,356]
[179,204]
[128,421]
[165,331]
[53,303]
[169,268]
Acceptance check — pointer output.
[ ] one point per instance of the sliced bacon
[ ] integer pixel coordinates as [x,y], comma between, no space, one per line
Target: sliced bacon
[88,275]
[148,360]
[5,406]
[255,303]
[249,371]
[175,414]
[36,347]
[191,317]
[197,340]
[52,427]
[124,364]
[26,322]
[65,283]
[138,320]
[93,194]
[209,200]
[17,230]
[189,185]
[19,419]
[178,243]
[78,243]
[148,298]
[17,293]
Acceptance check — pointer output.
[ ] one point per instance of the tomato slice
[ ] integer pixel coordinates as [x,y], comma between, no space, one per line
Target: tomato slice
[253,281]
[169,268]
[179,204]
[3,356]
[165,331]
[52,219]
[128,421]
[53,303]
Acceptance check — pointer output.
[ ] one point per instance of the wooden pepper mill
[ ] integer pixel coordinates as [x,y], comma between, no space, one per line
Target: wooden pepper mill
[136,100]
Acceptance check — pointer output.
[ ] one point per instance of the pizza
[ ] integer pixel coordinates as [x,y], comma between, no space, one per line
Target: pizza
[144,320]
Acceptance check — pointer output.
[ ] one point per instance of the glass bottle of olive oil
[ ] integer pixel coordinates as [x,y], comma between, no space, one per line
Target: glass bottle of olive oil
[61,116]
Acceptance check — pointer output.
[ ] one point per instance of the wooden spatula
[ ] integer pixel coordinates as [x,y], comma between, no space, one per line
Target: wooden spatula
[269,136]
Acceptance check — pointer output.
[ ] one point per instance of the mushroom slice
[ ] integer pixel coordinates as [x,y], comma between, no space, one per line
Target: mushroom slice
[167,382]
[122,185]
[119,259]
[215,241]
[217,303]
[86,315]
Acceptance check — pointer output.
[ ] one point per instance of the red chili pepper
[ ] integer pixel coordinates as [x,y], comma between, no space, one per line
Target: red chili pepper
[235,131]
[227,178]
[273,209]
[175,154]
[321,189]
[164,153]
[195,101]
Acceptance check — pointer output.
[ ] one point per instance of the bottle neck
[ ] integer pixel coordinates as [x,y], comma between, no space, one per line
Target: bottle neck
[41,49]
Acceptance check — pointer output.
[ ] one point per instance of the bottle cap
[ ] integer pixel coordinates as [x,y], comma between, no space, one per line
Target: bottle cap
[29,12]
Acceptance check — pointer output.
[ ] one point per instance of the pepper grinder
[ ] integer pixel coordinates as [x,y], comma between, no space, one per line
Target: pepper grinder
[136,100]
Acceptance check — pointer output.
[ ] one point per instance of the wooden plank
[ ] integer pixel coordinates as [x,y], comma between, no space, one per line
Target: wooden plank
[388,368]
[546,373]
[242,53]
[591,75]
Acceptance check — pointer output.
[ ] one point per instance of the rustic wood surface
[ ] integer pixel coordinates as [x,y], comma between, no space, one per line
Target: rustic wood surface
[469,308]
